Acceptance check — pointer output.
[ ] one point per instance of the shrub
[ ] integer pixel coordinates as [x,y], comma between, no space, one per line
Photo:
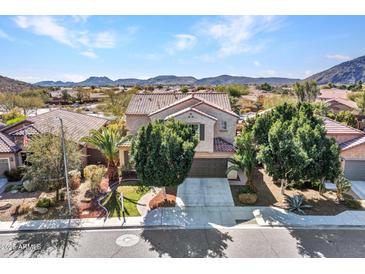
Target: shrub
[17,187]
[296,203]
[14,174]
[23,209]
[245,190]
[94,175]
[342,186]
[352,203]
[75,179]
[44,203]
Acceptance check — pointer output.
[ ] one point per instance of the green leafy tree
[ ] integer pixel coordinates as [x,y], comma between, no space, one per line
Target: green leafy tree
[294,147]
[163,152]
[106,141]
[265,86]
[345,117]
[306,91]
[45,168]
[245,157]
[13,116]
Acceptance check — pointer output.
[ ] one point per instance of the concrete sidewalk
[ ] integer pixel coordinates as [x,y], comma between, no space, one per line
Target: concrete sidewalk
[197,217]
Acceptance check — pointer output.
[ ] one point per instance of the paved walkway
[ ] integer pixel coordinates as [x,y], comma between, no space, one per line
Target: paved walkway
[200,217]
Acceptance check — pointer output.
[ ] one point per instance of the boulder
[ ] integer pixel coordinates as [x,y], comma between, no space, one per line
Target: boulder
[40,210]
[29,185]
[248,198]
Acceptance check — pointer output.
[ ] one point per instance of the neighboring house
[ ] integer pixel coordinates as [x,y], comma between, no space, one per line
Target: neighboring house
[9,154]
[352,144]
[327,94]
[210,112]
[76,126]
[339,104]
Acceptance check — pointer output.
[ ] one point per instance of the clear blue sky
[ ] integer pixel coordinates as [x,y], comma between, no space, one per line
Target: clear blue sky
[72,48]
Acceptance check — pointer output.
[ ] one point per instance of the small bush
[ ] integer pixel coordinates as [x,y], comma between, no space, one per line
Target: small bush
[14,174]
[245,190]
[352,204]
[17,187]
[75,179]
[23,209]
[44,203]
[94,174]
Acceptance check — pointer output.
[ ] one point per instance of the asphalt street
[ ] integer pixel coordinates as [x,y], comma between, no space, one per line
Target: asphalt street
[178,243]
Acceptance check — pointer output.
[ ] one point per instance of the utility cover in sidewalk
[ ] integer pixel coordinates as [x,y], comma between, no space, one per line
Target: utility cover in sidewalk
[127,240]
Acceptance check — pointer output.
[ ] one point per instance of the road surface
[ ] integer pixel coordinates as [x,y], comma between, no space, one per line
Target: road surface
[140,243]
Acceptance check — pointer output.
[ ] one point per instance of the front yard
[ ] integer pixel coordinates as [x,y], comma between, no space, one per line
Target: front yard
[131,195]
[269,195]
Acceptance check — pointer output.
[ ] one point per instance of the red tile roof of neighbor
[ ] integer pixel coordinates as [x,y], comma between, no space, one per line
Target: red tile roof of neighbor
[7,145]
[146,103]
[334,127]
[221,145]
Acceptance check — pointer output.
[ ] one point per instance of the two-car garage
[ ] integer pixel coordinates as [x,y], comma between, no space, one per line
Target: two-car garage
[354,170]
[208,168]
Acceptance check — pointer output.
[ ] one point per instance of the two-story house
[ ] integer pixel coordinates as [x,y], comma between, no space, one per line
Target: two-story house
[210,112]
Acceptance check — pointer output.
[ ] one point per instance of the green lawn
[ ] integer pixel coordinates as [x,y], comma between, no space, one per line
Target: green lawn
[131,195]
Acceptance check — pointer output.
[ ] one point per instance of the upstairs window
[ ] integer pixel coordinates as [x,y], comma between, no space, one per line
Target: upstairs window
[223,125]
[201,132]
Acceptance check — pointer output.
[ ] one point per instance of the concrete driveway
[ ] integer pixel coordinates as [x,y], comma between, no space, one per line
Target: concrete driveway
[204,192]
[359,188]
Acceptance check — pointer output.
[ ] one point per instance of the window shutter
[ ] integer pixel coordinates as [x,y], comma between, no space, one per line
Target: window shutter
[202,132]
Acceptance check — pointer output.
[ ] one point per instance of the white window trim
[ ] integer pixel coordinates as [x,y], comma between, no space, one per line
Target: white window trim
[7,160]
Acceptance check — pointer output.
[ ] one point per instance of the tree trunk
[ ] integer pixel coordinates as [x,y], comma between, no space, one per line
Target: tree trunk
[164,194]
[282,186]
[57,195]
[112,172]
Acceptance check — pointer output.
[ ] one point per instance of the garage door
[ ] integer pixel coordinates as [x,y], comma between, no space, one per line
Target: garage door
[210,168]
[4,166]
[355,170]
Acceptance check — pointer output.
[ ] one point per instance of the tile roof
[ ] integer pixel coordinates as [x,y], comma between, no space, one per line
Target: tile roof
[7,145]
[346,102]
[334,127]
[333,93]
[76,125]
[146,103]
[191,109]
[28,129]
[352,143]
[221,145]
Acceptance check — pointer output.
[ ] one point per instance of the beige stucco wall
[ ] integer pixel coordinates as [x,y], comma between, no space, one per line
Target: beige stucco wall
[355,153]
[340,138]
[192,117]
[122,161]
[135,122]
[228,134]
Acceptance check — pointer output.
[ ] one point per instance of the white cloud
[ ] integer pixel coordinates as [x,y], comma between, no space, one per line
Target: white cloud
[338,57]
[256,63]
[89,54]
[181,42]
[76,37]
[234,34]
[4,35]
[104,39]
[46,26]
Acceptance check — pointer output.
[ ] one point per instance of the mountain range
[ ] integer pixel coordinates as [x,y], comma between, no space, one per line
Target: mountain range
[170,80]
[349,72]
[8,84]
[345,73]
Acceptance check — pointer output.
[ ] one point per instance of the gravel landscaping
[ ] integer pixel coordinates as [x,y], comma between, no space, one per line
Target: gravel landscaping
[269,195]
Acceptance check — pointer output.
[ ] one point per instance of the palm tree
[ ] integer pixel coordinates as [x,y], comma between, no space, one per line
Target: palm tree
[245,157]
[106,141]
